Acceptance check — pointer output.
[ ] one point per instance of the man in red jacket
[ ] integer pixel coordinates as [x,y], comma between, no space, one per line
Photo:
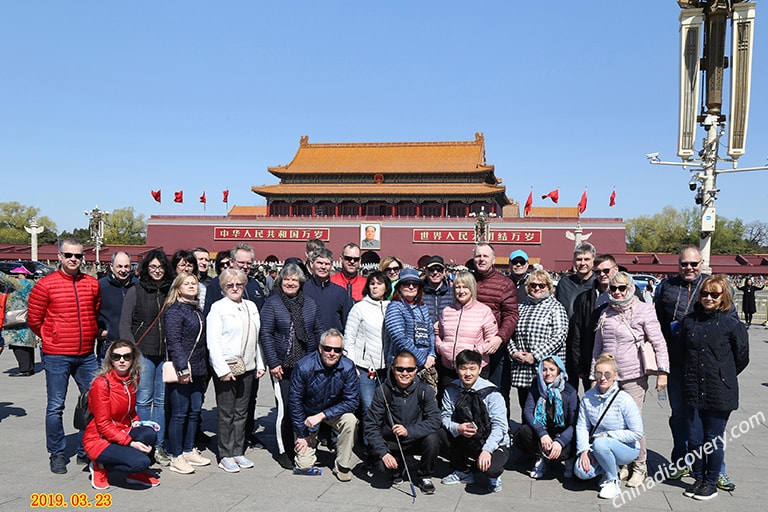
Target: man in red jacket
[63,311]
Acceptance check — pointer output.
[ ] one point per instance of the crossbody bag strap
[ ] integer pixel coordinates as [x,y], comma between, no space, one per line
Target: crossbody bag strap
[159,313]
[594,427]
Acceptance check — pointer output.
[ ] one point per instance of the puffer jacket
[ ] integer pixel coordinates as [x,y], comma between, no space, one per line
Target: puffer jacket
[499,293]
[364,334]
[112,402]
[464,327]
[436,299]
[622,332]
[185,331]
[63,311]
[142,305]
[622,421]
[716,351]
[275,333]
[315,388]
[675,298]
[400,323]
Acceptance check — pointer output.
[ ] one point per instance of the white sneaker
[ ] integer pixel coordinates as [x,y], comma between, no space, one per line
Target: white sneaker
[610,490]
[539,469]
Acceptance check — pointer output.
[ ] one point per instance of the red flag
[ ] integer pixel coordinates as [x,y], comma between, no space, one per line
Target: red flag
[202,197]
[554,195]
[226,196]
[528,204]
[178,197]
[612,202]
[583,203]
[156,195]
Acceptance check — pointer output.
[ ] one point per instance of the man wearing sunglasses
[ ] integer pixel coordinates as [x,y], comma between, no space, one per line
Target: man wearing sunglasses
[348,278]
[404,409]
[63,310]
[437,292]
[325,389]
[518,273]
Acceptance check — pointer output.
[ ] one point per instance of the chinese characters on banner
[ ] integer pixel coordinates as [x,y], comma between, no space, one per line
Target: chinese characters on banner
[526,236]
[256,233]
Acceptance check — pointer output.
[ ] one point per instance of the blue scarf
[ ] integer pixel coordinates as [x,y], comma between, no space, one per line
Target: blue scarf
[552,394]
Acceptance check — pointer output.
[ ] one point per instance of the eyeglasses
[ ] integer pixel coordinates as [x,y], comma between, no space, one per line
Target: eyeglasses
[714,295]
[392,270]
[621,288]
[127,356]
[404,369]
[225,264]
[410,284]
[537,286]
[156,268]
[68,255]
[518,263]
[351,259]
[692,264]
[603,375]
[335,350]
[436,269]
[604,271]
[233,286]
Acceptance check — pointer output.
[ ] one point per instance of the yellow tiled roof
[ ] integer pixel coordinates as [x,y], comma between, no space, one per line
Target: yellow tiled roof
[398,189]
[387,158]
[248,211]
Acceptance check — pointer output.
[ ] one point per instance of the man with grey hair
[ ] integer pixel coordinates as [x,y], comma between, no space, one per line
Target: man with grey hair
[332,300]
[113,288]
[325,388]
[581,280]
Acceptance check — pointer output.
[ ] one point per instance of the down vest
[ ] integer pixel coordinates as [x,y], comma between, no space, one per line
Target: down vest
[63,311]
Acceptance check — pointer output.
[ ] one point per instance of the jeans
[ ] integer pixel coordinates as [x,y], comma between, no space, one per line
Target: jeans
[608,454]
[707,427]
[368,389]
[679,423]
[125,459]
[186,403]
[150,395]
[58,369]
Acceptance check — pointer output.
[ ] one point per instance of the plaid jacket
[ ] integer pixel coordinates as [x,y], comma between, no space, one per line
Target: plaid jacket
[541,330]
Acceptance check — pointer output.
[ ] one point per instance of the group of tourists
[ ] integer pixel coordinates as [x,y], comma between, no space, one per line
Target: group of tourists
[397,363]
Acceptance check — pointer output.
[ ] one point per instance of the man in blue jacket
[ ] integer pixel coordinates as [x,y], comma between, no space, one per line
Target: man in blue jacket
[325,389]
[113,288]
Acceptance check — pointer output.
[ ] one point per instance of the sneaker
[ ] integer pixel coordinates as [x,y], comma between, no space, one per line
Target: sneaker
[725,483]
[691,489]
[195,459]
[243,462]
[313,471]
[285,461]
[83,460]
[610,490]
[181,465]
[539,469]
[161,457]
[99,476]
[458,477]
[58,464]
[677,474]
[343,474]
[494,484]
[397,478]
[568,471]
[229,465]
[706,491]
[142,479]
[426,486]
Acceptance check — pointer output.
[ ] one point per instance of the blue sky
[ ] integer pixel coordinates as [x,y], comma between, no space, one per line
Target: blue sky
[102,101]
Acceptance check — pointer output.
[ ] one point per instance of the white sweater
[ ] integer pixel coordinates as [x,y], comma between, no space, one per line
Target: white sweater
[224,334]
[363,334]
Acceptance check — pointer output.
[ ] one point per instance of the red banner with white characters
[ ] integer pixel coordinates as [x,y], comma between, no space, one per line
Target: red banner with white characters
[498,236]
[261,233]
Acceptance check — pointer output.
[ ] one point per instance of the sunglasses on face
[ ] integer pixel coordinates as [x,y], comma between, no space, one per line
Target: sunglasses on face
[233,286]
[336,350]
[68,255]
[537,286]
[692,264]
[621,288]
[604,271]
[603,375]
[225,264]
[116,357]
[714,295]
[410,284]
[392,270]
[351,259]
[518,263]
[404,369]
[436,270]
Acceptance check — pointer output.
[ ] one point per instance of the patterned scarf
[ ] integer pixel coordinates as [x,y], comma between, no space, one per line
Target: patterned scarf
[551,394]
[298,342]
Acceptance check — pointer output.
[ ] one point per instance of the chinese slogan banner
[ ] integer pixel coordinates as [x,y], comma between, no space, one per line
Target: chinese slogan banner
[503,236]
[256,234]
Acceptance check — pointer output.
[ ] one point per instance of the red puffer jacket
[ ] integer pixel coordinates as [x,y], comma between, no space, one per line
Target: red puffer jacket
[112,401]
[63,311]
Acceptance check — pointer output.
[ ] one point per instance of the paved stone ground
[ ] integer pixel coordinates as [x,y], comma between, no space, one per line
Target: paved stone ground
[24,467]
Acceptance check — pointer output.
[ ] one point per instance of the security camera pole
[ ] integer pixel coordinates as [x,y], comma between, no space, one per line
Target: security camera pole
[713,14]
[96,226]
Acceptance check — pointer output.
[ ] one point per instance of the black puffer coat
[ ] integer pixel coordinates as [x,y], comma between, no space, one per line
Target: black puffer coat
[716,351]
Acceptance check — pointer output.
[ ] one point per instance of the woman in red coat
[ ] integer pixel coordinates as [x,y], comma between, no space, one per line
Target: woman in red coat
[115,440]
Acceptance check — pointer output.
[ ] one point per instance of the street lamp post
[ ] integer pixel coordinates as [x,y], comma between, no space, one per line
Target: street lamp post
[714,15]
[96,227]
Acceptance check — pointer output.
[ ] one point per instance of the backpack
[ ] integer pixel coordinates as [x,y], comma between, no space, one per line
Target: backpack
[83,414]
[470,407]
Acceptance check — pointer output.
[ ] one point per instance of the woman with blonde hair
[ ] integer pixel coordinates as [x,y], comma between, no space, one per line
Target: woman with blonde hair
[391,266]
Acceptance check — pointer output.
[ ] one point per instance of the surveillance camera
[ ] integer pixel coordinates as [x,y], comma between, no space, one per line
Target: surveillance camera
[652,156]
[692,185]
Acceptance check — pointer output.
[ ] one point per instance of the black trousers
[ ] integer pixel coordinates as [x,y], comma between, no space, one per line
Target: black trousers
[427,447]
[462,455]
[527,441]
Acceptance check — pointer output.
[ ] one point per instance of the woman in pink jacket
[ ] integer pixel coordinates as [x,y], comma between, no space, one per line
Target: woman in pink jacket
[465,324]
[624,325]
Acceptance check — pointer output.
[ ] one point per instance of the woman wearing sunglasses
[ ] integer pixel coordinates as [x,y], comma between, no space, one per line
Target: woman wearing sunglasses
[540,332]
[608,430]
[115,439]
[290,328]
[716,351]
[624,325]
